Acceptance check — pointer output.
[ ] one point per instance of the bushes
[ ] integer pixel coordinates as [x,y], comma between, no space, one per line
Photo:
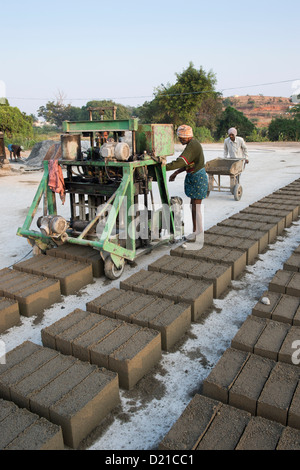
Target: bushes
[281,129]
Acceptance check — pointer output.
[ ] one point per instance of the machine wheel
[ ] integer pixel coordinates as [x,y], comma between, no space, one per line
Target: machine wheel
[110,269]
[237,192]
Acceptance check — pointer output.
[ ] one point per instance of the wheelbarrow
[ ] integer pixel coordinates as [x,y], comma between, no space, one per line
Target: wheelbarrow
[232,167]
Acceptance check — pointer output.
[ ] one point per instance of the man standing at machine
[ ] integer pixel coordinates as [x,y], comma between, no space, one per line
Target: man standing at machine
[234,146]
[192,161]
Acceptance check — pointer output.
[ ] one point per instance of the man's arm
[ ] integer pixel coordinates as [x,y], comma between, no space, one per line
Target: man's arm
[225,149]
[245,151]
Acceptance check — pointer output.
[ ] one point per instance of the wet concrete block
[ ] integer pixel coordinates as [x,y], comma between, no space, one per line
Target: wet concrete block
[264,310]
[10,377]
[42,435]
[257,225]
[250,246]
[96,304]
[49,333]
[223,375]
[85,406]
[219,274]
[248,385]
[72,275]
[82,254]
[9,313]
[33,293]
[226,429]
[271,339]
[293,287]
[22,430]
[261,237]
[172,323]
[280,281]
[290,209]
[215,254]
[287,349]
[136,357]
[294,410]
[279,221]
[293,263]
[188,430]
[125,348]
[289,440]
[260,434]
[263,211]
[287,310]
[277,394]
[22,391]
[248,334]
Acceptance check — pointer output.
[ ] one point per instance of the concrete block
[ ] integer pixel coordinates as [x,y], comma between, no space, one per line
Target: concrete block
[261,237]
[263,211]
[125,348]
[294,410]
[293,263]
[9,313]
[82,254]
[268,219]
[289,440]
[242,244]
[33,293]
[276,396]
[287,348]
[260,434]
[264,310]
[280,281]
[72,275]
[223,375]
[22,430]
[85,406]
[62,389]
[248,385]
[226,429]
[188,430]
[271,339]
[260,226]
[49,333]
[248,334]
[96,304]
[235,258]
[219,274]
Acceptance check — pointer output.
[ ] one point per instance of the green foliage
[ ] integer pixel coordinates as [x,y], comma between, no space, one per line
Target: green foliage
[203,134]
[179,103]
[281,129]
[56,113]
[13,121]
[257,135]
[233,118]
[295,111]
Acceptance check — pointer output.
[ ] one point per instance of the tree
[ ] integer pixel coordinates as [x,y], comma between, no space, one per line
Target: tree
[179,103]
[231,117]
[13,121]
[295,111]
[284,129]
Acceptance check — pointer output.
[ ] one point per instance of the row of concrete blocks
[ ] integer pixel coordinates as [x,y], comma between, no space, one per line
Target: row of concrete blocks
[150,311]
[36,284]
[251,398]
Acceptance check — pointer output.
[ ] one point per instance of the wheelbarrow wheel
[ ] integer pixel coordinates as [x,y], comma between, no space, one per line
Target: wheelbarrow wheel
[237,192]
[208,193]
[110,269]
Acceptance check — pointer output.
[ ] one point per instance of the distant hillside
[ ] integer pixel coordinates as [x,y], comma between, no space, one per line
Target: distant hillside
[260,109]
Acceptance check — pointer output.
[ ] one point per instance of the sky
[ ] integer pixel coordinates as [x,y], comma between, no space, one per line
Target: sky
[123,50]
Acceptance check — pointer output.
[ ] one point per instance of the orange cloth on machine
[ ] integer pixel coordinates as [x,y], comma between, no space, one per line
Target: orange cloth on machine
[56,180]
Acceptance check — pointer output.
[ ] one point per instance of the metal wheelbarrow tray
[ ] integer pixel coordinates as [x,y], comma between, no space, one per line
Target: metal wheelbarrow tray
[232,167]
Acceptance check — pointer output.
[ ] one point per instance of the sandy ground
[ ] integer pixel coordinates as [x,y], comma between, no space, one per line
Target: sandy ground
[147,412]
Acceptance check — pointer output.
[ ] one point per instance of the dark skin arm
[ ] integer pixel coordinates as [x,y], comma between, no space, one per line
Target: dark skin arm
[173,175]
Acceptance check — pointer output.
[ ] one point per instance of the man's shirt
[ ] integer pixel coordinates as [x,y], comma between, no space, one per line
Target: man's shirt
[235,149]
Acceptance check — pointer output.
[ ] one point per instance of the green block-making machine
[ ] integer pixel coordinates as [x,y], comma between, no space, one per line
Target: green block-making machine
[111,192]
